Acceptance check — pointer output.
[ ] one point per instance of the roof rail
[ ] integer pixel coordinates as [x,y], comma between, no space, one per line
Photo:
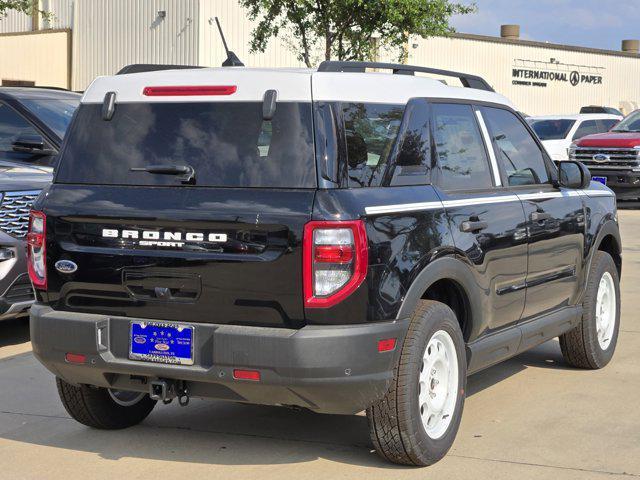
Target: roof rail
[469,81]
[152,67]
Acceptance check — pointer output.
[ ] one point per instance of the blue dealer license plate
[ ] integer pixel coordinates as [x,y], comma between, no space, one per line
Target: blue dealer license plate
[161,343]
[602,180]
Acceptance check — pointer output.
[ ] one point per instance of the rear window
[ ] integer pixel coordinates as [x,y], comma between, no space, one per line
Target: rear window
[552,129]
[228,144]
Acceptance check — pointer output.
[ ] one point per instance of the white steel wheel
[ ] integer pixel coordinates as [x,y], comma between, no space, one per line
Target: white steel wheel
[605,310]
[126,398]
[438,384]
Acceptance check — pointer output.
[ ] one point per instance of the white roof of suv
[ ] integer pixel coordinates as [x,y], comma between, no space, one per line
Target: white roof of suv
[291,85]
[579,116]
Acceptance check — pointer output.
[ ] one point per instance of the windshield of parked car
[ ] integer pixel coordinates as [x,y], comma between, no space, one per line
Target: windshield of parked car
[223,144]
[552,129]
[629,124]
[55,113]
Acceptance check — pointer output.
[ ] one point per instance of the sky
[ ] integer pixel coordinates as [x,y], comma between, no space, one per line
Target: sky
[587,23]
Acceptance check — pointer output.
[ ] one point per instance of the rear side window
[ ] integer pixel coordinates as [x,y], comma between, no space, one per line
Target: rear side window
[462,158]
[370,131]
[228,144]
[518,153]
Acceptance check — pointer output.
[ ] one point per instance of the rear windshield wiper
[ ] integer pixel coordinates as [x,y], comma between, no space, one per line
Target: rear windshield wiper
[187,171]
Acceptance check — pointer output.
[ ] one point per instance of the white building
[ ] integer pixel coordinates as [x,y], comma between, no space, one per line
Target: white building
[87,38]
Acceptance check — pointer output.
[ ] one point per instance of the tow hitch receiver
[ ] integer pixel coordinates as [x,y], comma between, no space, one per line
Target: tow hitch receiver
[167,390]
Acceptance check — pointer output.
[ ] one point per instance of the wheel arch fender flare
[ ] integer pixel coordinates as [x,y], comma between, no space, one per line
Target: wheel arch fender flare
[444,268]
[609,227]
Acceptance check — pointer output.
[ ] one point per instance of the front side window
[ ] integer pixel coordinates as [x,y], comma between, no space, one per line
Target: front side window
[518,153]
[606,124]
[12,126]
[370,131]
[588,127]
[228,144]
[462,158]
[557,129]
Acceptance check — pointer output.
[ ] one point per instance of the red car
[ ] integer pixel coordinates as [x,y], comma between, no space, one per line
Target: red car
[614,157]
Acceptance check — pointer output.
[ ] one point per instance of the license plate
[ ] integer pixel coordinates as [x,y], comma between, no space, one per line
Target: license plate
[161,343]
[602,180]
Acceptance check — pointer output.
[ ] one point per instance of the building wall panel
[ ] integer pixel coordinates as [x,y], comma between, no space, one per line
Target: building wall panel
[15,22]
[237,29]
[40,57]
[109,34]
[495,61]
[62,13]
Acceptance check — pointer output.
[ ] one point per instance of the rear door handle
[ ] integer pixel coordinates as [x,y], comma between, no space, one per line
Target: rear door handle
[471,226]
[540,216]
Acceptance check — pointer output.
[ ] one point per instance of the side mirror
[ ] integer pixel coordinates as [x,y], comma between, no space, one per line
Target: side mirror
[32,143]
[573,175]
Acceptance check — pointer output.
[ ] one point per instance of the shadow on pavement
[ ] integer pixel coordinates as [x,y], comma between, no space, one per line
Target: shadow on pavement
[14,331]
[212,432]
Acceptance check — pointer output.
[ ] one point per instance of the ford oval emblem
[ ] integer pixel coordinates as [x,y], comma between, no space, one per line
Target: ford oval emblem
[66,266]
[601,158]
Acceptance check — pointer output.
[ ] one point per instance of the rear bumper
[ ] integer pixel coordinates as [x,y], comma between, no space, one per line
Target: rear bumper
[330,369]
[625,183]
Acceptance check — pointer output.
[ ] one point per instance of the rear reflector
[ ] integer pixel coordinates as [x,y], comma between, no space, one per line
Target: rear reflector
[189,90]
[386,345]
[246,375]
[75,358]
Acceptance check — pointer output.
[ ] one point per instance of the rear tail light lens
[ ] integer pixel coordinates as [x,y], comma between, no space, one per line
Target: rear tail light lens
[335,261]
[37,249]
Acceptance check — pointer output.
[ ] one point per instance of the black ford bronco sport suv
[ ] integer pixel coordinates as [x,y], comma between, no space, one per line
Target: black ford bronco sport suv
[338,240]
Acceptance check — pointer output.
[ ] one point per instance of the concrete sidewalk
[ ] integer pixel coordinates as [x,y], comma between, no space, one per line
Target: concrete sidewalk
[531,417]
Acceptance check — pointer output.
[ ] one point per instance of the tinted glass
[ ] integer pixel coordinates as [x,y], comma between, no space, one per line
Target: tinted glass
[370,131]
[552,129]
[227,143]
[413,161]
[53,112]
[12,125]
[630,123]
[462,158]
[587,127]
[606,124]
[518,153]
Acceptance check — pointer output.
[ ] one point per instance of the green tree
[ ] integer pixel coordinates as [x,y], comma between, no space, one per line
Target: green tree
[24,6]
[347,27]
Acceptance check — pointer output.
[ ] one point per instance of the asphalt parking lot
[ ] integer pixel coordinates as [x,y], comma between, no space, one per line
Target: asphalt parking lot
[531,417]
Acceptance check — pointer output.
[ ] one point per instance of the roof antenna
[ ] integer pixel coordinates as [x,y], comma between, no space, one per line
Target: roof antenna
[232,59]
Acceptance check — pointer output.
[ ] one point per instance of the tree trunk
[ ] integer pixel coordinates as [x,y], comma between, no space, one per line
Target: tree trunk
[327,43]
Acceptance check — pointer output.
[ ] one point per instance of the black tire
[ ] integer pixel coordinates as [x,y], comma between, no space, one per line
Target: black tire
[580,346]
[395,422]
[94,407]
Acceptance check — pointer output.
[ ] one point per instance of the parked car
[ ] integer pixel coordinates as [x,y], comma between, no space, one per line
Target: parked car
[557,132]
[389,236]
[614,157]
[601,109]
[32,124]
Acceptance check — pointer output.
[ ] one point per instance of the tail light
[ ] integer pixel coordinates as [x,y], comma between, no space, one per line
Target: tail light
[37,249]
[335,261]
